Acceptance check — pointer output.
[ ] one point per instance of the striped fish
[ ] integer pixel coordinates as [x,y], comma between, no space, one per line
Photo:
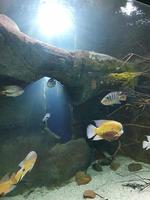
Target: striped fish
[114,98]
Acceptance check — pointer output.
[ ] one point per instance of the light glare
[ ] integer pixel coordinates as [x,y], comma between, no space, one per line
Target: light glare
[54,18]
[129,8]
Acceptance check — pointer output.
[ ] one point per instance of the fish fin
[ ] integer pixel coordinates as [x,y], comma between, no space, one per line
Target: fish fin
[21,164]
[121,132]
[5,178]
[21,176]
[122,97]
[146,145]
[148,138]
[90,131]
[107,155]
[118,102]
[22,173]
[99,122]
[11,188]
[2,194]
[97,137]
[31,167]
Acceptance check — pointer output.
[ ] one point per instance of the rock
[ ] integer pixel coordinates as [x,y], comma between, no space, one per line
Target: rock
[82,178]
[136,134]
[8,23]
[97,166]
[64,161]
[114,166]
[133,167]
[89,194]
[72,69]
[105,161]
[56,163]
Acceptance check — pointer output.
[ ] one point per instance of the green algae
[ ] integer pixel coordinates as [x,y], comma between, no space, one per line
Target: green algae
[125,78]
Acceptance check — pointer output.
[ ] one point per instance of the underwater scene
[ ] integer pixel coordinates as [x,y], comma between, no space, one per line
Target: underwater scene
[74,99]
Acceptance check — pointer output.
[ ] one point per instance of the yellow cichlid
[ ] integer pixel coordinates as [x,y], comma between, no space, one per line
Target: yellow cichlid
[105,130]
[26,165]
[8,183]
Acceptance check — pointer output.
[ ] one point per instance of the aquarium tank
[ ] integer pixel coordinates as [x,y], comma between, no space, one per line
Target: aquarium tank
[74,99]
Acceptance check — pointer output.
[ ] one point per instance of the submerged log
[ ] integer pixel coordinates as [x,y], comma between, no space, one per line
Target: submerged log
[85,74]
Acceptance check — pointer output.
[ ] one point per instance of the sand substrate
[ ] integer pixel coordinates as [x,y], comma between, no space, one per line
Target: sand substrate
[107,183]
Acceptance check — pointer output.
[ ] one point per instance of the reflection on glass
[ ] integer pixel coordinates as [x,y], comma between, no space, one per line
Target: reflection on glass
[129,8]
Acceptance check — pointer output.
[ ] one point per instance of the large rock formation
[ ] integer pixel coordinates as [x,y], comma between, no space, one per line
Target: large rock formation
[85,74]
[55,163]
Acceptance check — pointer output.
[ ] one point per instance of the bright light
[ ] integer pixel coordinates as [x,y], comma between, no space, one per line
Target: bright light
[54,18]
[129,8]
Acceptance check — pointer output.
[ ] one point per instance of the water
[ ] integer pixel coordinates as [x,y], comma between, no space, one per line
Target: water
[116,28]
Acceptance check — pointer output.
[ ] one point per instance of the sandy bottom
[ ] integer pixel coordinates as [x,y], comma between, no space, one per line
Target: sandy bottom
[107,183]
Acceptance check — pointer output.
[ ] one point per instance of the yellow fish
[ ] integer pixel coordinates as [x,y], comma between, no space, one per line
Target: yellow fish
[26,165]
[105,130]
[8,183]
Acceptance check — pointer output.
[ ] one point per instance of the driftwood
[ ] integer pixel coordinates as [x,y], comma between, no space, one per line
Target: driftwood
[85,74]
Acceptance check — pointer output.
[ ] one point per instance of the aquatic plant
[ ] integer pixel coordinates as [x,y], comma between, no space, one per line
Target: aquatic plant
[126,78]
[141,184]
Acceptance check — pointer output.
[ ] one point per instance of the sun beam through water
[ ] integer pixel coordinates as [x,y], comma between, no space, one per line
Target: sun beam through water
[54,18]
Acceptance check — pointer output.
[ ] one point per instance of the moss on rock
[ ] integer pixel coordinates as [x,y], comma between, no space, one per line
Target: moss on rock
[125,78]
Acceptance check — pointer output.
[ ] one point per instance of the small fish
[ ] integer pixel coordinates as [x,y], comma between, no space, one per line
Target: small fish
[11,91]
[105,130]
[46,117]
[51,82]
[114,98]
[146,144]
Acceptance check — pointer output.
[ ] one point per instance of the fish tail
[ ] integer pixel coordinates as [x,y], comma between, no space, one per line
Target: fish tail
[90,131]
[146,145]
[148,138]
[123,97]
[3,92]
